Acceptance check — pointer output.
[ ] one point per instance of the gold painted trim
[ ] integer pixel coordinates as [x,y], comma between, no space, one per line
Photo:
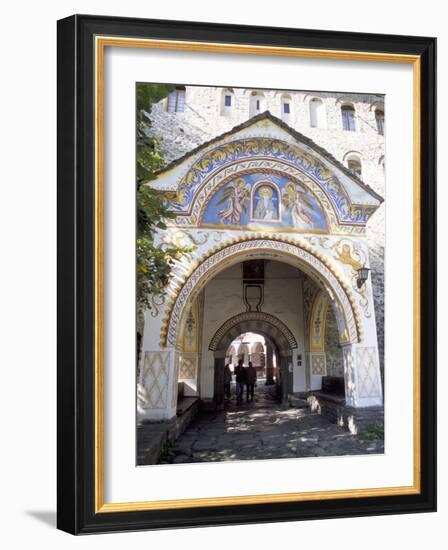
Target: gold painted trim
[417,271]
[255,499]
[323,328]
[258,228]
[101,42]
[250,49]
[246,239]
[99,278]
[195,314]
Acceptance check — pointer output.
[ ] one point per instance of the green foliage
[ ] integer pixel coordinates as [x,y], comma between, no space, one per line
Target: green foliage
[373,432]
[152,211]
[149,156]
[149,159]
[148,94]
[154,264]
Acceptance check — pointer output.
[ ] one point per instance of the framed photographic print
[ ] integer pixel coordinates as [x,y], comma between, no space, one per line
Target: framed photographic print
[246,267]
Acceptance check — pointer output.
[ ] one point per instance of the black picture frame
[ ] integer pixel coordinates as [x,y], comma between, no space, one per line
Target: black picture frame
[76,285]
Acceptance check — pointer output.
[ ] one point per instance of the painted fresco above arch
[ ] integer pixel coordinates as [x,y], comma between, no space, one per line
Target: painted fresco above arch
[271,201]
[265,142]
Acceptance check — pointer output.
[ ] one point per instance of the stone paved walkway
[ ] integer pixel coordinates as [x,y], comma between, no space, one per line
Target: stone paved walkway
[262,430]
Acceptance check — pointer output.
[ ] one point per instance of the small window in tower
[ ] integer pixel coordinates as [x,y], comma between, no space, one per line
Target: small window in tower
[348,118]
[379,117]
[176,101]
[257,103]
[317,113]
[354,164]
[285,107]
[227,102]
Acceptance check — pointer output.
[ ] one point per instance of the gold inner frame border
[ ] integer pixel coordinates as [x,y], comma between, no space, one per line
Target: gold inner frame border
[100,44]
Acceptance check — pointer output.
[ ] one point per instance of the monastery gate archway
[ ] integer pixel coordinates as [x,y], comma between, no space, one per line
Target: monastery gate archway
[352,326]
[263,194]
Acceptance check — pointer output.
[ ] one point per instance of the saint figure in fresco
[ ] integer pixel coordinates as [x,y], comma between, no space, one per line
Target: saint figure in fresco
[236,198]
[296,200]
[265,208]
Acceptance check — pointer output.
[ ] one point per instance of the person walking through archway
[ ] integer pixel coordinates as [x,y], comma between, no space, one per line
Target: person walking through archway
[240,379]
[227,380]
[251,379]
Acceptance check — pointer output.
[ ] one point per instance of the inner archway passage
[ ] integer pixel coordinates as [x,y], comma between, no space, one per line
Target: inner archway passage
[253,321]
[276,333]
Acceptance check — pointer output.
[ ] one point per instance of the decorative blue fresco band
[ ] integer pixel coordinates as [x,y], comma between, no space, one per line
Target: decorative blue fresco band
[278,150]
[257,199]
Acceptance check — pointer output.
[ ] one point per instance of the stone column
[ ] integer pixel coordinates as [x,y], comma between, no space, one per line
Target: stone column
[218,393]
[284,380]
[269,365]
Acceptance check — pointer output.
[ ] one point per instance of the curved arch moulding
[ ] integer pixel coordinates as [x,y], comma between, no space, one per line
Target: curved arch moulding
[234,251]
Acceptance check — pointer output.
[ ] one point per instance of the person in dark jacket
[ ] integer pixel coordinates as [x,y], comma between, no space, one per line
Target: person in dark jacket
[240,379]
[251,379]
[227,381]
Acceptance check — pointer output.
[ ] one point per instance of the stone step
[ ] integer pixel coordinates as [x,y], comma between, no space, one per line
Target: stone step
[297,402]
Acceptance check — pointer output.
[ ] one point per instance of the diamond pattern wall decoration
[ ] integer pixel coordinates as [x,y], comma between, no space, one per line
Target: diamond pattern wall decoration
[188,367]
[368,376]
[155,378]
[318,364]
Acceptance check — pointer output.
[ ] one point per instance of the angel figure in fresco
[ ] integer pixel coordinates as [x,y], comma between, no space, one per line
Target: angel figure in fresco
[300,204]
[265,208]
[345,257]
[236,198]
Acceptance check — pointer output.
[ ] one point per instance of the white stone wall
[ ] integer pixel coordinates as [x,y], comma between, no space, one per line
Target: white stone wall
[203,119]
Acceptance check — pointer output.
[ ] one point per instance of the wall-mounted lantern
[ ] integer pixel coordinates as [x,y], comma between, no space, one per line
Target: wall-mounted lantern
[363,275]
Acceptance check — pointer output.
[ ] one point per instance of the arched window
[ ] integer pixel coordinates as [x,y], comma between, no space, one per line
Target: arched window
[354,164]
[257,355]
[348,118]
[379,117]
[257,104]
[176,100]
[286,106]
[227,102]
[243,353]
[231,356]
[317,113]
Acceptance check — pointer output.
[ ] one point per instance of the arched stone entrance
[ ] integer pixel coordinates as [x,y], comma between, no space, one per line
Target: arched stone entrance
[308,260]
[271,328]
[360,355]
